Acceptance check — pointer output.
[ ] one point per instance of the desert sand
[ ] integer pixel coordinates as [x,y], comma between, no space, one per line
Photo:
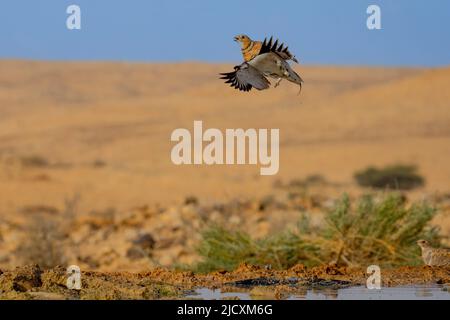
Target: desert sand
[103,129]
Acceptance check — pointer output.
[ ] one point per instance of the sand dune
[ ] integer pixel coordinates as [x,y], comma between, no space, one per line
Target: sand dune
[104,129]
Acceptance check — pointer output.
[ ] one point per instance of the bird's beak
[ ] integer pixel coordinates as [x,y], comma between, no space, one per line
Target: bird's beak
[236,38]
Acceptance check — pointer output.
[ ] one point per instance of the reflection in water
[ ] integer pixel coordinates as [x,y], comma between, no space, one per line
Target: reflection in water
[429,292]
[217,294]
[424,292]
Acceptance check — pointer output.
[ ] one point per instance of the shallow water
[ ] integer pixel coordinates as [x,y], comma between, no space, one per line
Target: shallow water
[415,292]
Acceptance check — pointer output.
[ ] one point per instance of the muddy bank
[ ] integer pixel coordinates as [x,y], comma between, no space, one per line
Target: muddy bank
[31,282]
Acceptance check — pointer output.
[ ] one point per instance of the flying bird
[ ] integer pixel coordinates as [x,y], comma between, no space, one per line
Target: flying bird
[432,256]
[266,59]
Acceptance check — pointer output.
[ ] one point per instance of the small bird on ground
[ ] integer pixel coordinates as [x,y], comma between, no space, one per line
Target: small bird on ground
[434,257]
[265,60]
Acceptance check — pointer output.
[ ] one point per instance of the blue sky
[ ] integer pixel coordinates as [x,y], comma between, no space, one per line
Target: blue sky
[415,32]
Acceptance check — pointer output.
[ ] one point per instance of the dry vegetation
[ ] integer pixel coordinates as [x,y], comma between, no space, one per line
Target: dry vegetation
[44,236]
[401,177]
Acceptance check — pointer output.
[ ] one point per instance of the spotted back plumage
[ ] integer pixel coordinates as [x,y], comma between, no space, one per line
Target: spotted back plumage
[434,256]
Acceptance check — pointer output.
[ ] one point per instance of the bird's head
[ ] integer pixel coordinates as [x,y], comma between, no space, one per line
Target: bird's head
[243,39]
[423,243]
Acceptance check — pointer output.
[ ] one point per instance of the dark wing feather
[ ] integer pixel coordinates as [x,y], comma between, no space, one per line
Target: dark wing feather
[284,53]
[246,77]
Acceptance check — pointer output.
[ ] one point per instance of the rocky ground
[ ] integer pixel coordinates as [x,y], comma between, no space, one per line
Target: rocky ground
[150,237]
[142,237]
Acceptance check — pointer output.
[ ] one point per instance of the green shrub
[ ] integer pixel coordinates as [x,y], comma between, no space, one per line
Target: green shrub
[399,177]
[382,232]
[372,231]
[225,250]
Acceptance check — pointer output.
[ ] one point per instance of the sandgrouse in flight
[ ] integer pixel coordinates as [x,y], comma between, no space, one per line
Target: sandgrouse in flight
[434,257]
[261,60]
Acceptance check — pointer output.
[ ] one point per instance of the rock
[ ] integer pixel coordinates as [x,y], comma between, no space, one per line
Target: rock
[145,241]
[262,281]
[142,247]
[298,269]
[89,261]
[135,253]
[26,278]
[235,220]
[191,200]
[328,283]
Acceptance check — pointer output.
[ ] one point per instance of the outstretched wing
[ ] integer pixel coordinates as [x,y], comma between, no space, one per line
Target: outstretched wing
[245,77]
[270,46]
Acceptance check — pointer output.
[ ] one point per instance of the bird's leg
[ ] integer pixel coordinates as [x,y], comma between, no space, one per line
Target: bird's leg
[278,82]
[300,90]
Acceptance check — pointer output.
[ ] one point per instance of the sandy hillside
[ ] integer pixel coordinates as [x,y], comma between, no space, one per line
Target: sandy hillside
[102,130]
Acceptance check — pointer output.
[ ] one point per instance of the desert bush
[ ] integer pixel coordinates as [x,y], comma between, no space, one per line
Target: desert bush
[311,180]
[382,231]
[42,244]
[371,231]
[400,177]
[46,236]
[34,161]
[99,163]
